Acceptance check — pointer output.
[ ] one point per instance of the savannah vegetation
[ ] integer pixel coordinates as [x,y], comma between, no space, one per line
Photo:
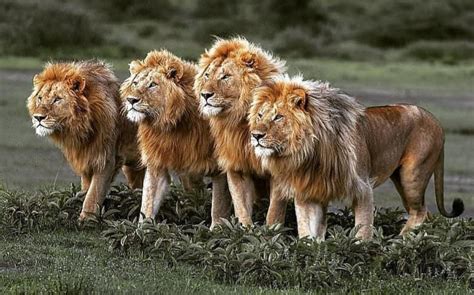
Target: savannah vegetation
[44,249]
[379,51]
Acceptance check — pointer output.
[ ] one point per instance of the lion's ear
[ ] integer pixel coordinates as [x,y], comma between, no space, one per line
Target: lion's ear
[174,72]
[248,59]
[134,66]
[205,59]
[36,79]
[78,84]
[300,98]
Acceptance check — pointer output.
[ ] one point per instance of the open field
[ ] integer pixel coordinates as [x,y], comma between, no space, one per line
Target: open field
[69,259]
[29,162]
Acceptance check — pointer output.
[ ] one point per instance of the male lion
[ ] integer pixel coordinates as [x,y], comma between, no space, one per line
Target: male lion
[323,145]
[229,73]
[78,106]
[172,135]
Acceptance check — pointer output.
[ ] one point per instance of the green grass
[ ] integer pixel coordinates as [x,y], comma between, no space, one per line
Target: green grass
[45,251]
[78,262]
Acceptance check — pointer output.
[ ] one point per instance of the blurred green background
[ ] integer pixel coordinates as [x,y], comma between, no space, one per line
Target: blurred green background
[383,51]
[429,30]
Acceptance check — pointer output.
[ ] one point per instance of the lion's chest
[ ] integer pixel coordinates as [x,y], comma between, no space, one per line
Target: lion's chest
[87,159]
[235,153]
[187,151]
[310,185]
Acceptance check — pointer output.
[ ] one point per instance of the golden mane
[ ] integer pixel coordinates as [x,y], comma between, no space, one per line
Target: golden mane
[324,162]
[320,144]
[77,105]
[178,138]
[231,132]
[86,137]
[262,62]
[163,60]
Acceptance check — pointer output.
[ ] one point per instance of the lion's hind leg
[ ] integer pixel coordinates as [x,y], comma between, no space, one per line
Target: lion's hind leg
[134,176]
[411,180]
[363,207]
[191,182]
[221,200]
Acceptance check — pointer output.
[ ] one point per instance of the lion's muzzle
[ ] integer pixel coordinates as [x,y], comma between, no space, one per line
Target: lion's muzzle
[261,150]
[41,127]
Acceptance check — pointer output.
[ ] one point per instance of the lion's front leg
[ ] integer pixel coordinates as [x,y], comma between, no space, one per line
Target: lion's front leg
[221,200]
[363,207]
[85,184]
[278,203]
[242,190]
[311,219]
[155,186]
[98,188]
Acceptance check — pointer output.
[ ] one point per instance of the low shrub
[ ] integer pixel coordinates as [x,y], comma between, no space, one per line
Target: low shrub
[271,257]
[440,249]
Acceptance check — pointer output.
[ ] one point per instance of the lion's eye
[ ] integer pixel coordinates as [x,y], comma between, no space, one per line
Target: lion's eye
[225,77]
[152,84]
[206,75]
[57,99]
[278,117]
[260,115]
[40,98]
[135,83]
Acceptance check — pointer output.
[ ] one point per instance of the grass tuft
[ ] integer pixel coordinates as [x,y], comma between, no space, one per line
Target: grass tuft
[261,256]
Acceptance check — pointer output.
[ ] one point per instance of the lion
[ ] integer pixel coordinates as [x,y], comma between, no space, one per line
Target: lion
[172,135]
[77,105]
[322,145]
[228,74]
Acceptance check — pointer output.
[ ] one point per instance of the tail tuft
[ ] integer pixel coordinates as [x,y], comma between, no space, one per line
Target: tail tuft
[458,208]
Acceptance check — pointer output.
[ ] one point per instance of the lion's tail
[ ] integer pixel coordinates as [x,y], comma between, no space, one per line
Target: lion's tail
[458,205]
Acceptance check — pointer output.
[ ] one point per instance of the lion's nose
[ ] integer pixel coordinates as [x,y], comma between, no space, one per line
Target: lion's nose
[258,135]
[207,95]
[39,118]
[132,100]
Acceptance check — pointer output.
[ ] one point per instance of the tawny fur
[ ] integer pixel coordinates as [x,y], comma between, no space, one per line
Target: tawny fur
[319,160]
[228,74]
[323,145]
[248,66]
[81,105]
[171,133]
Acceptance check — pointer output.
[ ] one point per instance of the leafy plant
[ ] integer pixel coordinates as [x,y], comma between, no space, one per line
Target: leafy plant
[272,256]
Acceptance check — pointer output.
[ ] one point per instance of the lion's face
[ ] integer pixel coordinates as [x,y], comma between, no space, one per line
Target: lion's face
[153,94]
[136,92]
[279,122]
[54,104]
[219,87]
